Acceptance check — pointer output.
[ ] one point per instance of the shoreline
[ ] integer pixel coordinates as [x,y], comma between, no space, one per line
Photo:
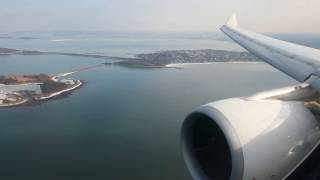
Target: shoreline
[181,65]
[24,101]
[78,84]
[32,101]
[15,90]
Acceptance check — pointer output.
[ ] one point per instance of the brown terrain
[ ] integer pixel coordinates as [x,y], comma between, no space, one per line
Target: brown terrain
[19,79]
[8,51]
[48,86]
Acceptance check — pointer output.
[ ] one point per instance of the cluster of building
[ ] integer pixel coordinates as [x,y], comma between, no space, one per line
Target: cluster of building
[11,98]
[11,95]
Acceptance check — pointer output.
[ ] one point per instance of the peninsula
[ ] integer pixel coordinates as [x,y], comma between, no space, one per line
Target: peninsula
[29,89]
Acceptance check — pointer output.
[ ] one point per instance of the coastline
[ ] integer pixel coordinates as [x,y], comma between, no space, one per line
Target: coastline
[78,84]
[32,101]
[24,101]
[181,65]
[19,90]
[27,100]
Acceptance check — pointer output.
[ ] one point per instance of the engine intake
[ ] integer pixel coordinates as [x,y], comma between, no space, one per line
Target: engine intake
[248,139]
[204,136]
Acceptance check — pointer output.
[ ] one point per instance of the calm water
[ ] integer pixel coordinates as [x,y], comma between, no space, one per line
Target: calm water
[123,124]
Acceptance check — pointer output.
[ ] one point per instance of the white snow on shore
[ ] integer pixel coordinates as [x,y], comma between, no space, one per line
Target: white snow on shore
[188,64]
[60,40]
[79,83]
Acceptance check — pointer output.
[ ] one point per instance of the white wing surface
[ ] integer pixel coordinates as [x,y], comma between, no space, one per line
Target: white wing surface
[300,62]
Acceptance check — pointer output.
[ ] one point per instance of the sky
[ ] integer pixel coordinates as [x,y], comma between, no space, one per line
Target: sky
[158,15]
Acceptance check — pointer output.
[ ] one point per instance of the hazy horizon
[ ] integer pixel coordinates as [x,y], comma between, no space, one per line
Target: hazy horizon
[158,16]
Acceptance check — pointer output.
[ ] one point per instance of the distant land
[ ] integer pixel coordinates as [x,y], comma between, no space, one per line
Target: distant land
[22,37]
[6,37]
[157,59]
[27,38]
[7,51]
[164,58]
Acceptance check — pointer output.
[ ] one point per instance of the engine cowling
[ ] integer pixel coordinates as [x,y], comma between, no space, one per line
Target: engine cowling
[240,138]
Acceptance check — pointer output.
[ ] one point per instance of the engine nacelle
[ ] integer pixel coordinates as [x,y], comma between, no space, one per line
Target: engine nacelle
[248,139]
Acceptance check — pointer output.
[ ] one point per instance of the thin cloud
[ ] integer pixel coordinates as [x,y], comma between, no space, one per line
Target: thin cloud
[156,15]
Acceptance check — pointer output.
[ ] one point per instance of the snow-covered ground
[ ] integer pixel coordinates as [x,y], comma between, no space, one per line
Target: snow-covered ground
[188,64]
[10,94]
[20,87]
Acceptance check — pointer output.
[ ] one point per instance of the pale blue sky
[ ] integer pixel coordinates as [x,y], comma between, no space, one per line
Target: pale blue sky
[158,15]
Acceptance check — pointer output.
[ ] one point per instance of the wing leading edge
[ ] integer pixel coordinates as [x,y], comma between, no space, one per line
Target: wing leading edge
[300,62]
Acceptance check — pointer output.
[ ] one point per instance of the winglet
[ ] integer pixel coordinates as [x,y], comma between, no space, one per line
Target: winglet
[232,22]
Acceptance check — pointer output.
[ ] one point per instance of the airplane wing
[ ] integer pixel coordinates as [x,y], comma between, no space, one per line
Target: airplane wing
[240,138]
[300,62]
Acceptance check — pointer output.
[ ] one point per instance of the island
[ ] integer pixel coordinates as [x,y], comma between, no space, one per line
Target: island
[167,58]
[19,90]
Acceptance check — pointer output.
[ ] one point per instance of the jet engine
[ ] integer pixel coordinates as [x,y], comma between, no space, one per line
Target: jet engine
[255,138]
